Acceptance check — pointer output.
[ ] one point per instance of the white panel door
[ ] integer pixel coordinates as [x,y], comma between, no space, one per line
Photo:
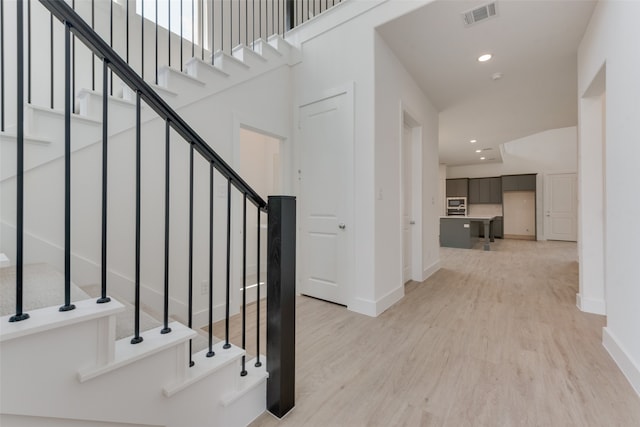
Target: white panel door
[561,207]
[325,183]
[407,204]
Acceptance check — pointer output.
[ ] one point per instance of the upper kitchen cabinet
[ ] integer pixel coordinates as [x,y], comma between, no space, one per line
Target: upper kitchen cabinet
[485,191]
[519,182]
[458,187]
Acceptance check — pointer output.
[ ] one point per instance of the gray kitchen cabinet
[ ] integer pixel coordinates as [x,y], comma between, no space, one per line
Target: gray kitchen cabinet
[495,191]
[498,228]
[474,191]
[510,183]
[458,187]
[485,190]
[527,183]
[519,182]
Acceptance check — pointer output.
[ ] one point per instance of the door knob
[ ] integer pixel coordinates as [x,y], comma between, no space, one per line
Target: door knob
[341,226]
[412,222]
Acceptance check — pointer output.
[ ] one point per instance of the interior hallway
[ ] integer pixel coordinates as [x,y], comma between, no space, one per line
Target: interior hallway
[492,339]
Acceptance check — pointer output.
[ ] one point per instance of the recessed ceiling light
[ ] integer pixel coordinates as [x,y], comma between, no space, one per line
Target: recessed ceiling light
[478,151]
[482,158]
[485,57]
[473,141]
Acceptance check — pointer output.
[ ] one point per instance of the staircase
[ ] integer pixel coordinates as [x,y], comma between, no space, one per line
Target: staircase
[80,366]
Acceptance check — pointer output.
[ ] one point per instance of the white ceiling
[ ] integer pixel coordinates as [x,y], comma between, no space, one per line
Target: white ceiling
[534,45]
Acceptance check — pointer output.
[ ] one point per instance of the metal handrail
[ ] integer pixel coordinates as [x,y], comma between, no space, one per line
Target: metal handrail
[102,50]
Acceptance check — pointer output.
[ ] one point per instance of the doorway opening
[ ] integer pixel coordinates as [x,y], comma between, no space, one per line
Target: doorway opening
[411,198]
[261,167]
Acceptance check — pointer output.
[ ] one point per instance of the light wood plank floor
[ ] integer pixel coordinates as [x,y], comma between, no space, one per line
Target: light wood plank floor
[492,339]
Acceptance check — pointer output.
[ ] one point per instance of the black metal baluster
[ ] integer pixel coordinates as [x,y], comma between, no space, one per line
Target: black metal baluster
[20,162]
[213,33]
[157,42]
[105,135]
[193,28]
[260,17]
[191,362]
[169,33]
[51,55]
[211,353]
[258,363]
[29,51]
[243,372]
[137,338]
[67,170]
[181,8]
[93,55]
[290,16]
[226,319]
[167,183]
[246,22]
[2,65]
[127,31]
[142,39]
[73,64]
[111,42]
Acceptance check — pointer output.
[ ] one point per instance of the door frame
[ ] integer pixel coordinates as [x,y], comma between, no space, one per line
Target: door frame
[254,124]
[416,192]
[312,97]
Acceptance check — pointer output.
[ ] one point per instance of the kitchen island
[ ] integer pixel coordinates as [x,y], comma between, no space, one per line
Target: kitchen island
[463,231]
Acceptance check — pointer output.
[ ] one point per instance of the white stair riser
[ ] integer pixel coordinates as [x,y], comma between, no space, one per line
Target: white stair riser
[229,64]
[214,77]
[267,51]
[121,114]
[44,383]
[249,57]
[179,82]
[50,124]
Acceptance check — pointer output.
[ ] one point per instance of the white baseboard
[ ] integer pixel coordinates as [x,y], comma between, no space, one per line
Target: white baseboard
[376,308]
[429,271]
[590,305]
[629,367]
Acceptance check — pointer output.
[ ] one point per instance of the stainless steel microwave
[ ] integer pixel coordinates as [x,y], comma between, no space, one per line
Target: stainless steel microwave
[456,202]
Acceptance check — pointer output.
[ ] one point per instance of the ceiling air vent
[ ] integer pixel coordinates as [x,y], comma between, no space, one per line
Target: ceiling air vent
[479,14]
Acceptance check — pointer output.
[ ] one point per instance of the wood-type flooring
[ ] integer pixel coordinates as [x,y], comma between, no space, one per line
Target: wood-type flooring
[491,339]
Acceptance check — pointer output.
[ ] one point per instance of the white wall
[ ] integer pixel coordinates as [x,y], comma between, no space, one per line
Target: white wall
[611,38]
[551,151]
[397,93]
[337,50]
[591,221]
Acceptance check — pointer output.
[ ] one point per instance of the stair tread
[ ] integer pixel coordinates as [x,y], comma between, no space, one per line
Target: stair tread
[205,366]
[43,286]
[127,353]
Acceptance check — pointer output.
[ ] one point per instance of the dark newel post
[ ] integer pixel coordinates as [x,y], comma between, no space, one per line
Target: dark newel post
[290,15]
[281,304]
